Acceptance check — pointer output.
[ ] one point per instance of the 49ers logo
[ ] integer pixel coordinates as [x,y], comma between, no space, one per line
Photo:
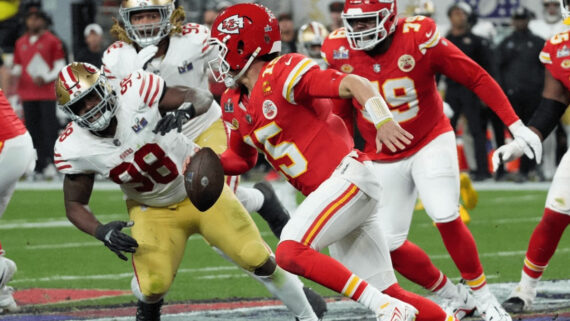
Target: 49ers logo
[231,24]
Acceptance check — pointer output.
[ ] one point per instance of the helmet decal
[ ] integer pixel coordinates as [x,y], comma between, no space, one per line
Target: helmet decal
[231,24]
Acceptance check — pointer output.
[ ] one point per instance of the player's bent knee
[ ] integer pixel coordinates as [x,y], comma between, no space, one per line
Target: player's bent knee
[395,241]
[253,255]
[152,288]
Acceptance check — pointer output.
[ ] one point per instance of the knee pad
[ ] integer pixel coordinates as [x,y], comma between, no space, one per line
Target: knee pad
[395,241]
[253,255]
[152,295]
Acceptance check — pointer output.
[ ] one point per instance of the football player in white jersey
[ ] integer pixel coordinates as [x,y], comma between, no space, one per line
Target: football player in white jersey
[153,37]
[111,134]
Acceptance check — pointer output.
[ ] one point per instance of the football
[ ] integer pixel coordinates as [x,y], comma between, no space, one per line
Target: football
[204,179]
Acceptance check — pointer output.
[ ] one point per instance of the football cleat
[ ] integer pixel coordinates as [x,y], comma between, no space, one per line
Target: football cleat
[7,303]
[396,310]
[316,301]
[7,270]
[462,305]
[520,299]
[468,193]
[491,310]
[148,311]
[272,211]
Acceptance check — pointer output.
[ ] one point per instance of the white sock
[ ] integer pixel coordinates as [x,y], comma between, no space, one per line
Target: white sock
[251,198]
[289,289]
[373,299]
[528,282]
[448,290]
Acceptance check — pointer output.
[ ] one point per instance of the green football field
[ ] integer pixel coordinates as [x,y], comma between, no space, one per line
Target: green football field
[51,253]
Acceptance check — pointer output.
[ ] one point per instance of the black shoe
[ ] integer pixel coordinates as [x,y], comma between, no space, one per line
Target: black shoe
[317,302]
[148,311]
[514,305]
[272,211]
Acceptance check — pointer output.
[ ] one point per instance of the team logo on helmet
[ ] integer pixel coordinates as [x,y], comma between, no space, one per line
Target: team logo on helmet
[406,63]
[231,24]
[269,109]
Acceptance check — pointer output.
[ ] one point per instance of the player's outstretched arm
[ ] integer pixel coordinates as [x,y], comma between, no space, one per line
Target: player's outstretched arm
[76,192]
[389,131]
[186,103]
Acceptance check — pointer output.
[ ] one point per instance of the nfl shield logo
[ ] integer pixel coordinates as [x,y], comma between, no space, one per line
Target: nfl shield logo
[376,68]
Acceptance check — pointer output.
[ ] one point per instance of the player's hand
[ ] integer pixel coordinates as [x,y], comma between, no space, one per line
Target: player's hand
[532,144]
[172,120]
[110,234]
[393,136]
[144,56]
[507,153]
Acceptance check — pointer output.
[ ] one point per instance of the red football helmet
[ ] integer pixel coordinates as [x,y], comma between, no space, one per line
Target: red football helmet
[241,33]
[358,11]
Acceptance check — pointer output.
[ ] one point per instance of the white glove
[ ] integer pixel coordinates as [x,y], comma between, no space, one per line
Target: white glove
[144,56]
[508,152]
[396,310]
[532,144]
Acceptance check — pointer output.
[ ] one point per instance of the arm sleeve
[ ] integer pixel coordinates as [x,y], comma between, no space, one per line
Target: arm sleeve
[449,60]
[319,83]
[239,157]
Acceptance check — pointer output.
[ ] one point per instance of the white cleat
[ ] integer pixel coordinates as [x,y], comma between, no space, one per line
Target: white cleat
[520,299]
[462,305]
[396,310]
[491,310]
[7,303]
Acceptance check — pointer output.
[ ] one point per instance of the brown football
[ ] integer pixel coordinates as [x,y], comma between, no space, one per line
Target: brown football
[204,179]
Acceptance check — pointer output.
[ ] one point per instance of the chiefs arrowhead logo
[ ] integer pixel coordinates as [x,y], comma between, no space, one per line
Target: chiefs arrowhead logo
[231,24]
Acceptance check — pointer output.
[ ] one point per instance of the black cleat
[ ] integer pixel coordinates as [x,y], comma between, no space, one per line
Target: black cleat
[149,311]
[272,211]
[317,302]
[514,305]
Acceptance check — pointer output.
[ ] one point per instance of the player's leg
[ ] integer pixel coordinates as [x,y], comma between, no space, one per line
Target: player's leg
[436,169]
[228,227]
[261,198]
[17,156]
[544,239]
[161,234]
[376,266]
[327,215]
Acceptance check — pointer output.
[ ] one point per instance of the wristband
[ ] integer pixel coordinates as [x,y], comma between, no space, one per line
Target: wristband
[378,111]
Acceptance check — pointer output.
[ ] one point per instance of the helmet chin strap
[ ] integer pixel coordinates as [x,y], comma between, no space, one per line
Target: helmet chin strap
[231,81]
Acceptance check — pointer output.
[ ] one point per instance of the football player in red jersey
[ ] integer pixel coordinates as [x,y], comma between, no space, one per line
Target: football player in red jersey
[555,98]
[279,106]
[401,56]
[17,156]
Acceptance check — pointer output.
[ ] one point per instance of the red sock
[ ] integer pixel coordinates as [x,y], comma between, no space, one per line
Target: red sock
[428,310]
[462,248]
[543,242]
[414,264]
[304,261]
[1,250]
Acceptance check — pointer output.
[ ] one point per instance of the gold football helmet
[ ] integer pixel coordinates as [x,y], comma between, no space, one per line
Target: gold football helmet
[311,37]
[149,33]
[77,81]
[424,8]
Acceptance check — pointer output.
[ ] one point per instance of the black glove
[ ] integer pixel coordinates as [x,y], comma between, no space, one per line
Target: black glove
[174,120]
[115,240]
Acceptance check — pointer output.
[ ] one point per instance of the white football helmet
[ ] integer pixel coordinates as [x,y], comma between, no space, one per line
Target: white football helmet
[382,11]
[77,81]
[148,33]
[311,37]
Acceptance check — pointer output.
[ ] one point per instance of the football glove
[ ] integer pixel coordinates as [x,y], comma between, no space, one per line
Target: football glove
[507,153]
[532,144]
[110,234]
[173,120]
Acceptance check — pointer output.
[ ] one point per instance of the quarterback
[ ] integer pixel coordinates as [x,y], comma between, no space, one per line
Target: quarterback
[154,38]
[112,134]
[278,105]
[544,239]
[401,57]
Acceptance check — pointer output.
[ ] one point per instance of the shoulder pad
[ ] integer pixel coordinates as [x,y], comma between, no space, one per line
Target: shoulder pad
[118,60]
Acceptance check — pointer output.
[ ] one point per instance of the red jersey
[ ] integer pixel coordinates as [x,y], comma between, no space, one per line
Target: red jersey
[10,125]
[405,76]
[50,48]
[287,119]
[555,56]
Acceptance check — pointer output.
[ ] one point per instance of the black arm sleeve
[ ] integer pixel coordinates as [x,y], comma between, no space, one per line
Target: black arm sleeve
[547,115]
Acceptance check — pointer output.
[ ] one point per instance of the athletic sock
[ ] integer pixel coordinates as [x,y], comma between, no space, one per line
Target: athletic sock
[414,264]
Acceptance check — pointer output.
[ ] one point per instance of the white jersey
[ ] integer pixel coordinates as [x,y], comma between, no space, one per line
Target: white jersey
[184,64]
[546,30]
[147,166]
